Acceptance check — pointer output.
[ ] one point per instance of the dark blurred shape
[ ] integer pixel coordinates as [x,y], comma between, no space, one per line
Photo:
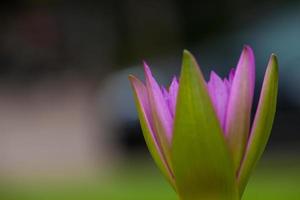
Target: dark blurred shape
[131,139]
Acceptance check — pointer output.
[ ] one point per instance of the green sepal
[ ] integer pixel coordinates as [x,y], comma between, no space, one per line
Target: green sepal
[262,124]
[201,162]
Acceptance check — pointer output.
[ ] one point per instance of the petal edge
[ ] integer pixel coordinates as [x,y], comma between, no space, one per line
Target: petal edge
[237,125]
[262,124]
[142,102]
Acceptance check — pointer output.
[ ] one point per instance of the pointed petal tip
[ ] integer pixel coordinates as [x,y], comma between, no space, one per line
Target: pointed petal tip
[231,75]
[247,61]
[186,52]
[133,79]
[174,82]
[248,50]
[247,47]
[146,67]
[147,72]
[174,79]
[213,75]
[248,57]
[249,53]
[273,64]
[135,82]
[145,63]
[273,55]
[274,59]
[187,55]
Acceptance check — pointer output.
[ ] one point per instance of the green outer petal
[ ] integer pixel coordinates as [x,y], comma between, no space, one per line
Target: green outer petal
[202,165]
[262,123]
[154,148]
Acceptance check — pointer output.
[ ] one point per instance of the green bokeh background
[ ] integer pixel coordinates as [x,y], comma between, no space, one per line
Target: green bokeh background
[274,179]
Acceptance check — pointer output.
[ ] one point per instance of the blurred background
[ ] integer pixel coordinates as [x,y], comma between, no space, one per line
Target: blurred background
[68,125]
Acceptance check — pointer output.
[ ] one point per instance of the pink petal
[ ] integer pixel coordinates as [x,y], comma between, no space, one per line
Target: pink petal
[171,95]
[151,138]
[173,91]
[237,122]
[142,95]
[228,82]
[165,93]
[162,118]
[231,75]
[219,93]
